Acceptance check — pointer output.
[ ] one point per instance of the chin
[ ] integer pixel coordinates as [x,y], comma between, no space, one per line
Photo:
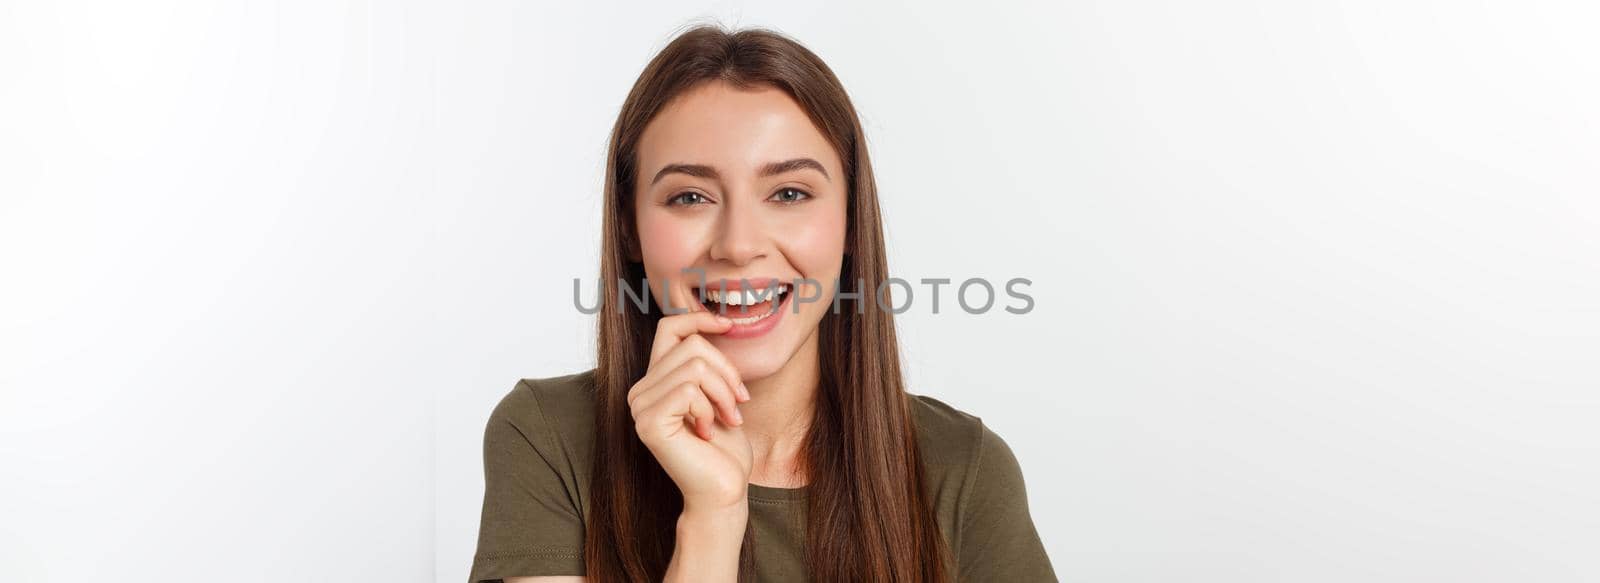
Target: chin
[755,360]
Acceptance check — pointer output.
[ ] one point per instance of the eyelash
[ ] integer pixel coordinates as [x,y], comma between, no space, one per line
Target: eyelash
[673,200]
[804,196]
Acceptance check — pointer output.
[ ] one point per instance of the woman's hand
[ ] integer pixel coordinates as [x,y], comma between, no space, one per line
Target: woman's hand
[688,386]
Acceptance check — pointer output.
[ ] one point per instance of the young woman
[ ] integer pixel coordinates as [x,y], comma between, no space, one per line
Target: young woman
[762,433]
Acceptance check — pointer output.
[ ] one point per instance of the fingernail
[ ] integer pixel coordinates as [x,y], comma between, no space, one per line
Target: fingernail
[745,391]
[738,418]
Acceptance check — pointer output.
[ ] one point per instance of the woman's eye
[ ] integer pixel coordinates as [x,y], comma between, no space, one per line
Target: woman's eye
[687,199]
[790,195]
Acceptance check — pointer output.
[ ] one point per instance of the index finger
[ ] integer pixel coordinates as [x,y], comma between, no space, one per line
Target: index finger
[671,330]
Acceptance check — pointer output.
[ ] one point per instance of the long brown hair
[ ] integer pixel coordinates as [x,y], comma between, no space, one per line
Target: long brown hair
[869,517]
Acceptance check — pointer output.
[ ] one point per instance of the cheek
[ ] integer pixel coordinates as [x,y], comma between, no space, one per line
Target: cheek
[667,244]
[814,240]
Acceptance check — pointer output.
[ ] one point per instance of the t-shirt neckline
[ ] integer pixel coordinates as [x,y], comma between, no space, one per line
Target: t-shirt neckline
[759,492]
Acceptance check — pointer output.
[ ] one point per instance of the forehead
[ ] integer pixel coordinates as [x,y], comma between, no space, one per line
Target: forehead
[735,130]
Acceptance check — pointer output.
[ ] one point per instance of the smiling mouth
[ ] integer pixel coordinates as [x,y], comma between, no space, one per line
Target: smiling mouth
[744,306]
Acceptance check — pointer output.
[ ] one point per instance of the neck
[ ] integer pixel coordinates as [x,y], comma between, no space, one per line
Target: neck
[778,416]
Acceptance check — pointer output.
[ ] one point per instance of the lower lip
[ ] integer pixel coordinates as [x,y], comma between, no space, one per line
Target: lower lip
[758,327]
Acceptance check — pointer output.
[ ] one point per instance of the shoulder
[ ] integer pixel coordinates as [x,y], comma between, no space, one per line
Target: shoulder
[979,496]
[961,454]
[947,435]
[549,412]
[560,394]
[535,480]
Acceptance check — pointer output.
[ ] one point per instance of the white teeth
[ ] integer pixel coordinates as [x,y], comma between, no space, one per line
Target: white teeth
[735,297]
[752,319]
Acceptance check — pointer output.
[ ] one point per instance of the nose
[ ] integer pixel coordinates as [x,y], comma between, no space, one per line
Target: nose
[740,236]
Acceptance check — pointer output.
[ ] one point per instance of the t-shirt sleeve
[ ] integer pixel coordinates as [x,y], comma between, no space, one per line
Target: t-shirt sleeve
[998,539]
[530,524]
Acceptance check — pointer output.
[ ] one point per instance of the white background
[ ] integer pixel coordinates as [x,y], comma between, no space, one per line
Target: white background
[1317,283]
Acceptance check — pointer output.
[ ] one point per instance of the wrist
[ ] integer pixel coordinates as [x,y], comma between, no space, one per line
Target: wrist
[710,521]
[708,544]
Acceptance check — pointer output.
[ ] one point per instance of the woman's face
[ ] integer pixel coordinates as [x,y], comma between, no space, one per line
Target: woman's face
[738,184]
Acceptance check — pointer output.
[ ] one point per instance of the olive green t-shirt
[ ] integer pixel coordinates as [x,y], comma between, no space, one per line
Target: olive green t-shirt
[536,460]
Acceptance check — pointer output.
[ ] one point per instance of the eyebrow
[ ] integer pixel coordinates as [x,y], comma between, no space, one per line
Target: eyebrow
[771,169]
